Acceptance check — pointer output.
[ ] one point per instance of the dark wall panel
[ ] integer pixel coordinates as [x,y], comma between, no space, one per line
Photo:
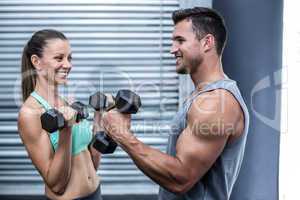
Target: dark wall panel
[253,57]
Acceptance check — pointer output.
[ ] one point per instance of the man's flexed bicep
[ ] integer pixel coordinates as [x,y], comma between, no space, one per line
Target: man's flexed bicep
[211,121]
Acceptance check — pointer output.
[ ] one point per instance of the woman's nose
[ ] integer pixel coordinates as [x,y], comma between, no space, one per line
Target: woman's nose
[67,64]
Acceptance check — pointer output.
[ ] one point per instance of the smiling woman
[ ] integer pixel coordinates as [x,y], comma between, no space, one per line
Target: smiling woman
[63,159]
[55,63]
[37,58]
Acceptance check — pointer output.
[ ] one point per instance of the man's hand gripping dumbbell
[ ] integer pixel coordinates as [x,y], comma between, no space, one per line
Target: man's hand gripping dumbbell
[126,102]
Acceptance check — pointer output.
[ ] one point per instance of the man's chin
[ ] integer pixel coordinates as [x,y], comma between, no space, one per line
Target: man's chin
[182,70]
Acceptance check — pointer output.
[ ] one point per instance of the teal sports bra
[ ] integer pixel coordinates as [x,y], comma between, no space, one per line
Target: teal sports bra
[81,132]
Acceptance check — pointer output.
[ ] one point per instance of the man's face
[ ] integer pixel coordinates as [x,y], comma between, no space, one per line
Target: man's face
[186,48]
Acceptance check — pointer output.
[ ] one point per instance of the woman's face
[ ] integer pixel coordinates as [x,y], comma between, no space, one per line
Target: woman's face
[55,63]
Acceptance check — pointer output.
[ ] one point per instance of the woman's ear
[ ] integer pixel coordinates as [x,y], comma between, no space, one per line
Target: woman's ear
[35,60]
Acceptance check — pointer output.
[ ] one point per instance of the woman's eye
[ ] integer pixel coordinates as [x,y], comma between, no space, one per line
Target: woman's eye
[58,58]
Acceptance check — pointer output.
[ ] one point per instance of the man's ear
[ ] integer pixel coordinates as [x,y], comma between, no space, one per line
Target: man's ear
[209,42]
[35,60]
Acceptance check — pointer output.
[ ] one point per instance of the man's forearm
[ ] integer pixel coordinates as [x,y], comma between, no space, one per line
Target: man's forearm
[164,169]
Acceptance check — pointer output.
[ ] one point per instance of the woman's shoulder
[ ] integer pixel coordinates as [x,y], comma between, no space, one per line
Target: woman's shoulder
[30,109]
[29,118]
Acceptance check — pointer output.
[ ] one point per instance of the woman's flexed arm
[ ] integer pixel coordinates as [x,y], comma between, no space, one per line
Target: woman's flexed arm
[55,168]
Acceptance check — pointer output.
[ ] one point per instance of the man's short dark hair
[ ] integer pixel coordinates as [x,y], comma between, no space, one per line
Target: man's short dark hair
[204,21]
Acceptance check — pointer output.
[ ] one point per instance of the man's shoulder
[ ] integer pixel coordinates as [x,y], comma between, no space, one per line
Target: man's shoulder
[217,111]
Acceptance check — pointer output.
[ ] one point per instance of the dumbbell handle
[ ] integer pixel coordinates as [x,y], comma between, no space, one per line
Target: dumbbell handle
[82,113]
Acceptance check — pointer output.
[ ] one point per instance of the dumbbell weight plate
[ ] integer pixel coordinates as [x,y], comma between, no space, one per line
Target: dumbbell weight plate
[127,102]
[103,143]
[52,120]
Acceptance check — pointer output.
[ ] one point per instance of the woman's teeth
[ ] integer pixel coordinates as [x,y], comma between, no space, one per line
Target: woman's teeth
[62,73]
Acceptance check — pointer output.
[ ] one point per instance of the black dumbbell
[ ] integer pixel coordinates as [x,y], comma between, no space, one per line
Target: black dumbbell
[126,102]
[101,142]
[52,120]
[100,102]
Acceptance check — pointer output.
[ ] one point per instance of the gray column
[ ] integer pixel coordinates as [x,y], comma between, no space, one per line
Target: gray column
[253,57]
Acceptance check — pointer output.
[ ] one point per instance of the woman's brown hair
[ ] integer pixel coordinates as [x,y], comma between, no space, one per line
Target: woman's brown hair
[35,46]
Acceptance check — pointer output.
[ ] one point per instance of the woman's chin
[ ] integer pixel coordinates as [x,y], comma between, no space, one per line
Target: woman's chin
[61,81]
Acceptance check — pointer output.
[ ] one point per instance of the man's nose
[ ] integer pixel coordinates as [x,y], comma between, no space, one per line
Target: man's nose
[174,48]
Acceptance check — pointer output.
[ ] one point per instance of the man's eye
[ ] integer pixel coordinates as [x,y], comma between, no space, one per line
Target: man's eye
[180,41]
[70,58]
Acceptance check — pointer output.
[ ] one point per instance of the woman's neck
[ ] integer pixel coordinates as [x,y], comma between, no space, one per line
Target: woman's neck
[47,91]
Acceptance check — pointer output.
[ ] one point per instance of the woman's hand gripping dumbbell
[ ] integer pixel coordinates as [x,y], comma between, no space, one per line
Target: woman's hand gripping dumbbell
[56,119]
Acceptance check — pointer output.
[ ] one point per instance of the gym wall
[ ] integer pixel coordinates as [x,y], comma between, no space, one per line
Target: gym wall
[253,57]
[116,45]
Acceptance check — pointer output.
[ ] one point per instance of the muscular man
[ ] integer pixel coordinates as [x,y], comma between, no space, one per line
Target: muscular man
[208,135]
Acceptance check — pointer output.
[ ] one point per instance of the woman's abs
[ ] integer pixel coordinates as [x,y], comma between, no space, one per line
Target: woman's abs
[83,180]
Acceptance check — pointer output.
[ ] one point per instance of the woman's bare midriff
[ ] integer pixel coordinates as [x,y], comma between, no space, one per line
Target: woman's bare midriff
[83,180]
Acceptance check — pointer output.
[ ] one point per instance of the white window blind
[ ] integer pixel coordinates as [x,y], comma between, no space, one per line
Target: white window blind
[116,44]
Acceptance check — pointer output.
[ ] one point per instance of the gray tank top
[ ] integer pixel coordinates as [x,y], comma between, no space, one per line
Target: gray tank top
[218,182]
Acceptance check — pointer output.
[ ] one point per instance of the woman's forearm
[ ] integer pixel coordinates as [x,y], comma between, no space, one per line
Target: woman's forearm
[60,168]
[96,156]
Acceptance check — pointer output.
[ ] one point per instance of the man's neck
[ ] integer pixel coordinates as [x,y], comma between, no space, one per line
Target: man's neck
[209,71]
